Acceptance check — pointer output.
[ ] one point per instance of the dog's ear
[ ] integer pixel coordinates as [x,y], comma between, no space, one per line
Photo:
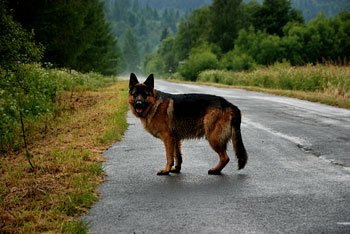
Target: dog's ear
[133,80]
[150,81]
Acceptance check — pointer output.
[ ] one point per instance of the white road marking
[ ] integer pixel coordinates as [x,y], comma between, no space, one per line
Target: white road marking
[297,140]
[344,223]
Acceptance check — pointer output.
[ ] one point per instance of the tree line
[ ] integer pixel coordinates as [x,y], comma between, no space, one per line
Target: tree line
[139,28]
[234,35]
[183,5]
[312,8]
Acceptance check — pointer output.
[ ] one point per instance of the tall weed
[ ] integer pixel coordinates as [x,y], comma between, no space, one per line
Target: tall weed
[315,78]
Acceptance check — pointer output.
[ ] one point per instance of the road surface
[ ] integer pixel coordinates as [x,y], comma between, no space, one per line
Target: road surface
[297,179]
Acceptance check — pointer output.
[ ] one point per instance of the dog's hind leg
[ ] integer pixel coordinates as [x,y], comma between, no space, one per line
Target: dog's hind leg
[218,131]
[224,159]
[178,157]
[218,143]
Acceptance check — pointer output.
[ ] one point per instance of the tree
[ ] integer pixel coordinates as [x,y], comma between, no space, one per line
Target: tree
[262,47]
[142,28]
[166,53]
[274,15]
[165,34]
[342,21]
[193,31]
[130,51]
[16,44]
[103,54]
[68,30]
[226,20]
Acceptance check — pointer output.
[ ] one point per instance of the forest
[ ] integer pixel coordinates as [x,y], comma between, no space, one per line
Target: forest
[234,35]
[139,29]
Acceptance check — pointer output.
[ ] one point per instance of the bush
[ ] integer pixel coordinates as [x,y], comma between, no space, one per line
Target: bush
[197,62]
[243,62]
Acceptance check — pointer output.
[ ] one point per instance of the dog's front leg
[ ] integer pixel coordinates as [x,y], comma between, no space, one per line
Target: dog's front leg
[169,143]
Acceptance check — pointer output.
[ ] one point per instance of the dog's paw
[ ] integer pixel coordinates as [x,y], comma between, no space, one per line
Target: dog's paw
[163,172]
[214,172]
[175,170]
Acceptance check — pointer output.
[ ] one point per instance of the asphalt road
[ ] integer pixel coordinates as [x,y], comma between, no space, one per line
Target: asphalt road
[297,179]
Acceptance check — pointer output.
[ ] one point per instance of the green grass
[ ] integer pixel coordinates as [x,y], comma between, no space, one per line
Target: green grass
[117,120]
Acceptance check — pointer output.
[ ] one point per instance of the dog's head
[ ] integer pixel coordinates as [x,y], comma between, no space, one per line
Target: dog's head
[142,96]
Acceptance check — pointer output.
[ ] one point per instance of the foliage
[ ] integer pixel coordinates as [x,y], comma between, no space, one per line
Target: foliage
[192,32]
[321,39]
[237,62]
[33,90]
[165,34]
[161,61]
[146,23]
[199,60]
[16,44]
[226,19]
[273,15]
[244,35]
[74,33]
[314,78]
[227,26]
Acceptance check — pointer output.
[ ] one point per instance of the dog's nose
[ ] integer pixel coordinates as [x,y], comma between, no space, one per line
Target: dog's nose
[138,103]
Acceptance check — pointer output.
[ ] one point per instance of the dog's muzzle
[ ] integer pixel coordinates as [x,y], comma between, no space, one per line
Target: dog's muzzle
[138,106]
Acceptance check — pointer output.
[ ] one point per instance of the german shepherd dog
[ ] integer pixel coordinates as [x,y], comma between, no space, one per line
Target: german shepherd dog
[175,117]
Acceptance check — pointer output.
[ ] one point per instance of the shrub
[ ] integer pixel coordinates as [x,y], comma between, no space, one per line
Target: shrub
[197,62]
[243,62]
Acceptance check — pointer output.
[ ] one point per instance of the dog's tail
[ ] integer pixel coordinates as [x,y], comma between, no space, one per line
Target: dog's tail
[237,141]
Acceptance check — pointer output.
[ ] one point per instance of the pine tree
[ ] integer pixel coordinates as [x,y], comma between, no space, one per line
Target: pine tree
[142,27]
[103,54]
[165,34]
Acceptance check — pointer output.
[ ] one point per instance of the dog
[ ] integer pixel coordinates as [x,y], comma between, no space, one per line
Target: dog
[176,117]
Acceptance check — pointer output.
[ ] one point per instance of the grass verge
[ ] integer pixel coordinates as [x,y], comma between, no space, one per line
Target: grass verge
[67,165]
[327,84]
